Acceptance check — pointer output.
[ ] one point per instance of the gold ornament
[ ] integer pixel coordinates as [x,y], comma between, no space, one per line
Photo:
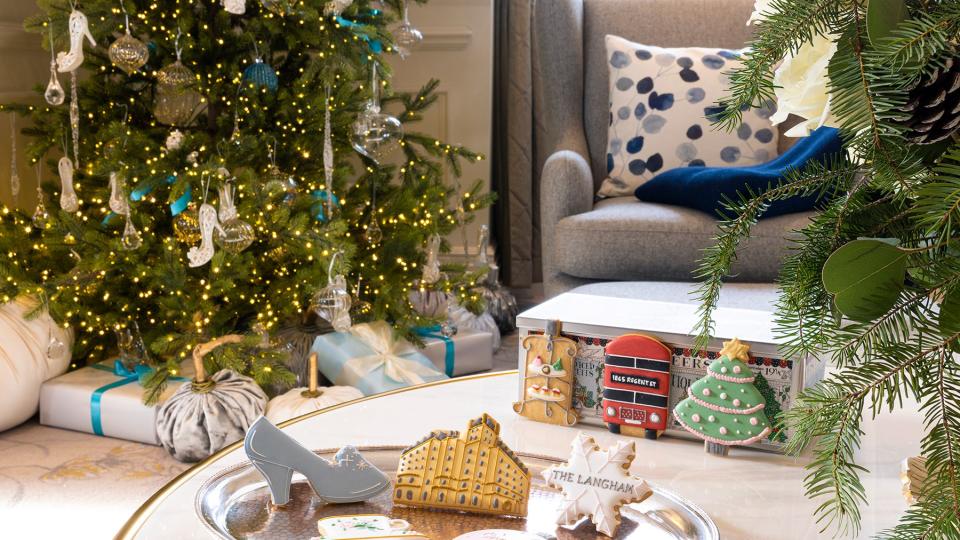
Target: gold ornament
[277,181]
[280,7]
[234,235]
[186,225]
[177,103]
[128,53]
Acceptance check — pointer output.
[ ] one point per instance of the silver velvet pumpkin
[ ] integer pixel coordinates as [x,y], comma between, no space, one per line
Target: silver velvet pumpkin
[462,317]
[201,418]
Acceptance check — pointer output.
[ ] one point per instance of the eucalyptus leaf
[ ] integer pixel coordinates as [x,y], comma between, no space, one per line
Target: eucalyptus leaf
[883,16]
[865,276]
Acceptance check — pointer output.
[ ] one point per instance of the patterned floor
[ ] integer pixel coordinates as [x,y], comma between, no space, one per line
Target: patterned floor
[64,484]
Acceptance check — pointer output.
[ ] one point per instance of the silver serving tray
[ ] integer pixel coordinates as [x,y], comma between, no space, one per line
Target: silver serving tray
[235,503]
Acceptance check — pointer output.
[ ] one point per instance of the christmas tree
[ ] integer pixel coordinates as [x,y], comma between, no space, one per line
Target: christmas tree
[219,164]
[724,407]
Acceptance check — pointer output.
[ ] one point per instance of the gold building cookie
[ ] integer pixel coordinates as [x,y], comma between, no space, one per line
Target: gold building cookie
[473,471]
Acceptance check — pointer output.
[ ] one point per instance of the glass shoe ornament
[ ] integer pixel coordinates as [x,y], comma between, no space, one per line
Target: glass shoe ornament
[128,53]
[186,225]
[235,7]
[69,202]
[177,102]
[406,37]
[261,75]
[79,27]
[332,303]
[54,94]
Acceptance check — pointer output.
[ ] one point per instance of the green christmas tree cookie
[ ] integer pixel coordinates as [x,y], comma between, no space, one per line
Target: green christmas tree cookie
[724,408]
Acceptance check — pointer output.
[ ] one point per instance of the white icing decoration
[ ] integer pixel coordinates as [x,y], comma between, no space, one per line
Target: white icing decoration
[695,417]
[743,390]
[706,391]
[723,395]
[753,421]
[711,418]
[723,370]
[723,430]
[736,369]
[736,402]
[589,499]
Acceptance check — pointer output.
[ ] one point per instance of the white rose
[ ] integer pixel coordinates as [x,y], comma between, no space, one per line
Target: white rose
[761,8]
[802,83]
[174,139]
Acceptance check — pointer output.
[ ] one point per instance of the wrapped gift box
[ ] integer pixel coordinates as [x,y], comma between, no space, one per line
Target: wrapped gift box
[468,351]
[103,401]
[371,359]
[592,321]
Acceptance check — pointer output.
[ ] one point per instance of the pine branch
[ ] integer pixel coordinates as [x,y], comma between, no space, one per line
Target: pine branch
[718,259]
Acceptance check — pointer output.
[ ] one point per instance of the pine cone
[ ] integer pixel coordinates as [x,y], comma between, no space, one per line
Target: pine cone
[934,105]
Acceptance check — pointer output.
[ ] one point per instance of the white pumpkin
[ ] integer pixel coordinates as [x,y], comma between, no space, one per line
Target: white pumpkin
[31,351]
[299,401]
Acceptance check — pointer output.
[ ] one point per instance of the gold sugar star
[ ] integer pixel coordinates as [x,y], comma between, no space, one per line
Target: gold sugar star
[735,349]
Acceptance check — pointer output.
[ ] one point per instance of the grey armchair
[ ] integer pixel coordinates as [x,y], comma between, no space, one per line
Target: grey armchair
[622,238]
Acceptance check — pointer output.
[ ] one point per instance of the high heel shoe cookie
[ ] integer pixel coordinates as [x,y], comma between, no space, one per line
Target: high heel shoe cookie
[349,478]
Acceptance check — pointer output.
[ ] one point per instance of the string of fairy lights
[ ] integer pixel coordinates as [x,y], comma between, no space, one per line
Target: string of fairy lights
[270,291]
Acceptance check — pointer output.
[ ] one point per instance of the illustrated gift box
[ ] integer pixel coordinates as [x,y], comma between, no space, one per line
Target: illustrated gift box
[104,399]
[592,321]
[369,358]
[467,351]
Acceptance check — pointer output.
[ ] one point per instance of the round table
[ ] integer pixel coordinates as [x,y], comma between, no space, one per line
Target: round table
[750,494]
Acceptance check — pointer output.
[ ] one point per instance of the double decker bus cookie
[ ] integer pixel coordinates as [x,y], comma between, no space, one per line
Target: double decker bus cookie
[636,385]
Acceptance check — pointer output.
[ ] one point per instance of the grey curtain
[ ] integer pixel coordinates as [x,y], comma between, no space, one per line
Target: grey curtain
[516,170]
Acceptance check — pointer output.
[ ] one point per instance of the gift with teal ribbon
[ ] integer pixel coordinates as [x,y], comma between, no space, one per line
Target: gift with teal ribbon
[466,351]
[105,399]
[370,358]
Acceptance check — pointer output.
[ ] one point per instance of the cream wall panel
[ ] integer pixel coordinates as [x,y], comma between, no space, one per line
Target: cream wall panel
[458,50]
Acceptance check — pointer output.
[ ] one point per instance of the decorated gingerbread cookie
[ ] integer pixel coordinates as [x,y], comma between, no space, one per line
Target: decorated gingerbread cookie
[473,472]
[548,378]
[364,526]
[724,408]
[597,483]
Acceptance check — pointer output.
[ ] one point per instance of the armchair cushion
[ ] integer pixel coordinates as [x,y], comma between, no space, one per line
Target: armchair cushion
[660,104]
[707,188]
[626,239]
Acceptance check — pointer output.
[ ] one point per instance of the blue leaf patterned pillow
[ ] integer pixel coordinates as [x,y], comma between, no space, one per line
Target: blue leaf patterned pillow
[661,104]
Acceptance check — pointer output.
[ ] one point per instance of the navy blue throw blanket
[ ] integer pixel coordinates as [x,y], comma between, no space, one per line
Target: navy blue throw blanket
[705,188]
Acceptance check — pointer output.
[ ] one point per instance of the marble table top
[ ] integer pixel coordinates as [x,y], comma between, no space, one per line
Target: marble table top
[750,494]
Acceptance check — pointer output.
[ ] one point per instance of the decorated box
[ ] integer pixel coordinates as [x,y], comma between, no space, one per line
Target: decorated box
[370,358]
[105,399]
[592,321]
[467,351]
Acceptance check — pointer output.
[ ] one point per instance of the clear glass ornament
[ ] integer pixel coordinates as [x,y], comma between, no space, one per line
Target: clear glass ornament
[186,225]
[131,239]
[128,53]
[375,134]
[54,95]
[406,37]
[379,135]
[332,303]
[40,215]
[56,348]
[373,234]
[14,175]
[130,346]
[234,236]
[277,181]
[177,103]
[279,7]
